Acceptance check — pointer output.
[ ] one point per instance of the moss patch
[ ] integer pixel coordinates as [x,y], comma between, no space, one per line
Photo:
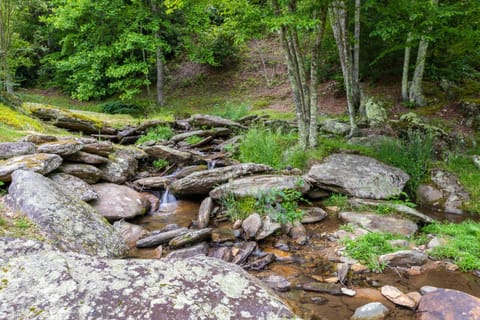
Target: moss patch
[17,225]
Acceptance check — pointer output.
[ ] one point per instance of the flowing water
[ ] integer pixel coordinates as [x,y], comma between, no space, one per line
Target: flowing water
[317,260]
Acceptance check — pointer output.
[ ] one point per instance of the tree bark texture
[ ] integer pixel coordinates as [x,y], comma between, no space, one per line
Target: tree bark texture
[159,64]
[406,66]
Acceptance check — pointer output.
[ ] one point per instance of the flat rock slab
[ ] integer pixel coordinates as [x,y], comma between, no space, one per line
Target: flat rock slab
[190,237]
[60,147]
[163,152]
[381,223]
[199,249]
[74,286]
[258,185]
[153,182]
[358,176]
[74,186]
[86,172]
[117,202]
[42,163]
[446,304]
[156,238]
[213,121]
[121,166]
[404,258]
[67,222]
[85,157]
[313,215]
[13,149]
[398,297]
[202,182]
[101,148]
[217,132]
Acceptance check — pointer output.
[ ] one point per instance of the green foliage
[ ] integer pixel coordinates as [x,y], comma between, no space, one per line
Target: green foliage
[156,133]
[368,247]
[119,107]
[160,164]
[238,209]
[231,110]
[337,200]
[193,139]
[22,223]
[414,156]
[2,190]
[469,177]
[462,245]
[3,222]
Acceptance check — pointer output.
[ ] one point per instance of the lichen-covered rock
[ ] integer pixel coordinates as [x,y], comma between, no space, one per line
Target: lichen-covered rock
[335,127]
[74,186]
[60,147]
[257,185]
[376,114]
[117,202]
[446,304]
[86,172]
[358,176]
[404,258]
[121,168]
[202,182]
[68,222]
[380,223]
[85,157]
[55,285]
[42,163]
[101,148]
[13,149]
[130,232]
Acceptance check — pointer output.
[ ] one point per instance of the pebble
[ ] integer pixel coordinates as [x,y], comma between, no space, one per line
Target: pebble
[427,289]
[348,292]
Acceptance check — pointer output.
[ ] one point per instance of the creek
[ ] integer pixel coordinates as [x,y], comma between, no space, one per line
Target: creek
[317,260]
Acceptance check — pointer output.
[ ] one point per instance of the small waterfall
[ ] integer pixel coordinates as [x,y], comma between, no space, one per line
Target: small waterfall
[168,201]
[211,164]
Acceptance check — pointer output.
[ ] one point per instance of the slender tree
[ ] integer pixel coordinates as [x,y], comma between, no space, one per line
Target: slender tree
[7,12]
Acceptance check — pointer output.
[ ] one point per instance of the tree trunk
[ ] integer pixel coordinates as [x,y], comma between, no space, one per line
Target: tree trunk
[159,63]
[406,66]
[356,58]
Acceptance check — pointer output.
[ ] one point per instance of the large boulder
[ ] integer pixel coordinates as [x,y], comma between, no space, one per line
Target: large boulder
[335,127]
[380,223]
[43,163]
[376,114]
[117,202]
[44,283]
[257,185]
[75,186]
[120,168]
[445,304]
[68,222]
[13,149]
[86,172]
[202,182]
[358,176]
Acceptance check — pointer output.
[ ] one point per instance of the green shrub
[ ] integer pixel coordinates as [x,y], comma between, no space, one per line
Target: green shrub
[238,209]
[193,139]
[119,107]
[231,110]
[156,133]
[160,163]
[337,200]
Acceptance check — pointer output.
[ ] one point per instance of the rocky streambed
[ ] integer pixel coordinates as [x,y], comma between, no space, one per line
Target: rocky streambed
[95,201]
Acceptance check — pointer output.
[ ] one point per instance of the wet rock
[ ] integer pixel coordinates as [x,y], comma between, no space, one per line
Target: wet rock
[199,249]
[153,182]
[154,238]
[241,251]
[298,233]
[13,149]
[370,311]
[38,138]
[427,289]
[223,235]
[129,232]
[42,163]
[163,152]
[117,202]
[375,222]
[398,297]
[223,253]
[204,212]
[404,258]
[122,167]
[190,237]
[251,225]
[321,287]
[101,148]
[75,186]
[335,127]
[443,304]
[154,202]
[85,157]
[131,289]
[217,132]
[313,215]
[277,283]
[68,222]
[206,120]
[281,245]
[256,185]
[267,228]
[60,147]
[348,292]
[260,263]
[203,182]
[358,176]
[86,172]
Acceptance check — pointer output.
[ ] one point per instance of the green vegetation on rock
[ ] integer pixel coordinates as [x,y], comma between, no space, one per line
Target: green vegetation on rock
[156,133]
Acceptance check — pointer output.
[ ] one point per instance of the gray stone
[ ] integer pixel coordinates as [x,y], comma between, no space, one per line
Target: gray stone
[38,138]
[73,286]
[427,289]
[223,235]
[86,172]
[404,258]
[268,227]
[381,223]
[436,242]
[217,132]
[117,202]
[261,262]
[241,251]
[207,120]
[101,148]
[203,182]
[370,311]
[313,214]
[446,304]
[198,249]
[122,167]
[129,232]
[251,225]
[298,233]
[335,127]
[154,238]
[85,157]
[322,287]
[204,211]
[153,182]
[163,152]
[277,282]
[42,163]
[454,193]
[376,114]
[13,149]
[358,176]
[257,185]
[75,186]
[398,297]
[348,292]
[69,223]
[60,147]
[190,237]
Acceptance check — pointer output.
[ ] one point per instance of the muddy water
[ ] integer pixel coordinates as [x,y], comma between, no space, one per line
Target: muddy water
[316,262]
